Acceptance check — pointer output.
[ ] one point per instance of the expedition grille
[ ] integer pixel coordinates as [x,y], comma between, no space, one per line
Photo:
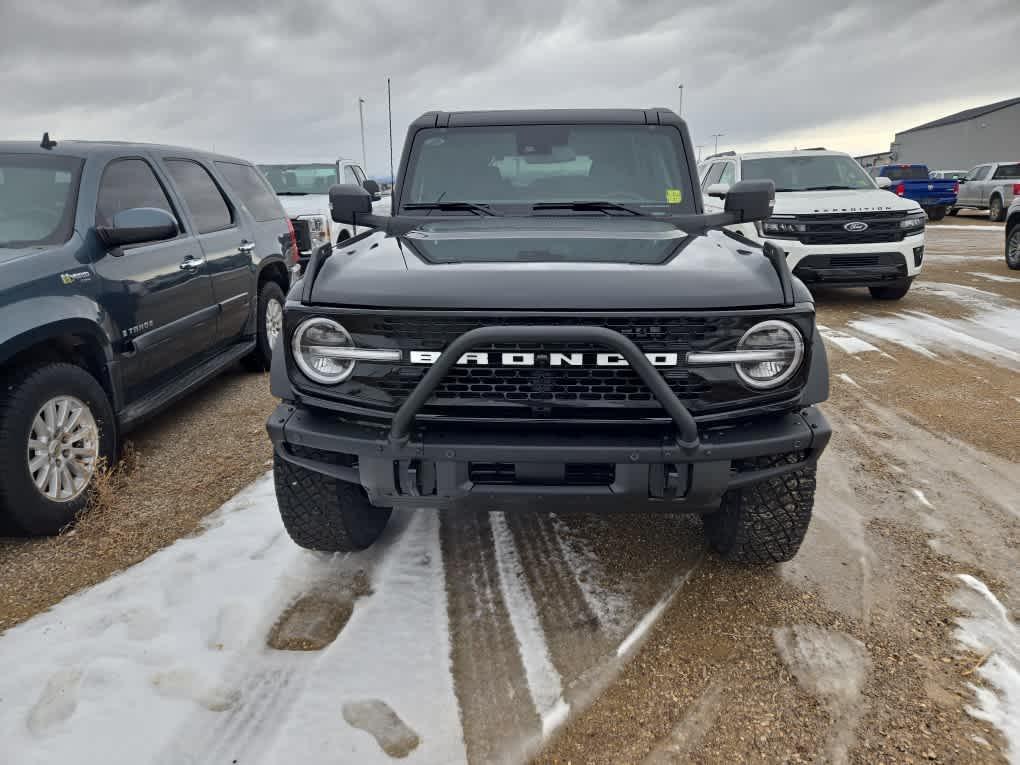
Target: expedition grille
[581,391]
[829,228]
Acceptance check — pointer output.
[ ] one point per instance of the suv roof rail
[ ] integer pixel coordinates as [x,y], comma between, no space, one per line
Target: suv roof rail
[730,153]
[815,148]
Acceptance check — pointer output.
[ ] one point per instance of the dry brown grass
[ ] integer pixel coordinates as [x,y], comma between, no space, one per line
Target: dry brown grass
[182,466]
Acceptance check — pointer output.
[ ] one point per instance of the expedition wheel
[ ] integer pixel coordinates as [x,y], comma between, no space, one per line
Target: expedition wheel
[936,213]
[270,327]
[323,513]
[996,212]
[889,293]
[56,429]
[765,522]
[1013,248]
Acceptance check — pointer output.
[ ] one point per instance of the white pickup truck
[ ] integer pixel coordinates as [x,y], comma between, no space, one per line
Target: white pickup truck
[837,225]
[303,190]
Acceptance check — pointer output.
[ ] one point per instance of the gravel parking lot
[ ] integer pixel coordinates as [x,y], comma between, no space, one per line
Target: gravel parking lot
[582,638]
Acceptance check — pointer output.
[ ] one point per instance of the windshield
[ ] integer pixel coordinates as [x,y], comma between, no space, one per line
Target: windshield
[37,194]
[906,173]
[641,166]
[301,179]
[808,173]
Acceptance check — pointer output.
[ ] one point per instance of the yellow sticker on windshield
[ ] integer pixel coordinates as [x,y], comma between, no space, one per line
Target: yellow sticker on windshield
[673,196]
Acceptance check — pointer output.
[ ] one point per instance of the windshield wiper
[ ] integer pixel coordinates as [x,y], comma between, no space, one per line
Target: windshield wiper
[468,206]
[586,205]
[293,193]
[829,188]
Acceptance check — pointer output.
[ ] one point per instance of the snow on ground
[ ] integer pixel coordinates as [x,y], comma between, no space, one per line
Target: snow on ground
[995,277]
[988,631]
[167,661]
[843,341]
[849,380]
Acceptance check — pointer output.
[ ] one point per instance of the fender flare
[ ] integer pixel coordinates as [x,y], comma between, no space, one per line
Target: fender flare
[816,389]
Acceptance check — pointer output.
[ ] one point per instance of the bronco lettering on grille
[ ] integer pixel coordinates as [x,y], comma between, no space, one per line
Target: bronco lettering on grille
[532,359]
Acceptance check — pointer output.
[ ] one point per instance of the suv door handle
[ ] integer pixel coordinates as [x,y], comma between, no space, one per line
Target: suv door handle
[245,247]
[191,263]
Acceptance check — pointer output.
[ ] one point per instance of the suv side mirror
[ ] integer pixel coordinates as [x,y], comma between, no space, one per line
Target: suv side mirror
[137,225]
[372,187]
[961,180]
[719,190]
[751,200]
[883,182]
[347,201]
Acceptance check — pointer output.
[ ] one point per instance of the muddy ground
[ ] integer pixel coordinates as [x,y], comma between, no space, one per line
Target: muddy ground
[588,639]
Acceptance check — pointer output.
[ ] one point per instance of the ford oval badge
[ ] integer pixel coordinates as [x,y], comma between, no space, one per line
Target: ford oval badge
[855,225]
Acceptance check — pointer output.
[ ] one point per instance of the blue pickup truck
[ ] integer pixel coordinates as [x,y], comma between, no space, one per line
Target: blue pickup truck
[936,196]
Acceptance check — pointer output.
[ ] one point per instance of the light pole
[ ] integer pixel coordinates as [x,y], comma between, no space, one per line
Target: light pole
[681,86]
[717,136]
[700,147]
[361,115]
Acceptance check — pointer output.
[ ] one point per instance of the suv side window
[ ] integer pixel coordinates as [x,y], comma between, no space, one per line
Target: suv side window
[350,176]
[979,173]
[250,185]
[209,209]
[729,173]
[129,183]
[712,176]
[1007,171]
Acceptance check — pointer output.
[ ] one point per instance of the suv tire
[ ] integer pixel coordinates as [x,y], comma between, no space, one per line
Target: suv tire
[269,318]
[764,522]
[1013,248]
[936,213]
[996,212]
[33,510]
[323,513]
[889,293]
[953,211]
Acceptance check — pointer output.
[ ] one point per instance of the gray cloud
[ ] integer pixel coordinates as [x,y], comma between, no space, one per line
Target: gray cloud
[273,80]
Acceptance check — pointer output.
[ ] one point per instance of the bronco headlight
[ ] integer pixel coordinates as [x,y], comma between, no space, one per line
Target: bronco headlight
[324,351]
[770,353]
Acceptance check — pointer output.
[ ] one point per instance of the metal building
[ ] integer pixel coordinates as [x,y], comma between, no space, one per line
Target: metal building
[958,142]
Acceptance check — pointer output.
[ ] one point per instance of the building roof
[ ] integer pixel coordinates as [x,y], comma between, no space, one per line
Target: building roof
[966,114]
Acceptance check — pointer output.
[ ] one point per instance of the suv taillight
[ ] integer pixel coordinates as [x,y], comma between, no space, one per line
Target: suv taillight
[901,189]
[295,253]
[1016,189]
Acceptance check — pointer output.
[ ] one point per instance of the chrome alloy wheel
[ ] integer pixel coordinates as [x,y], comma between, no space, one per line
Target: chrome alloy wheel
[63,448]
[274,321]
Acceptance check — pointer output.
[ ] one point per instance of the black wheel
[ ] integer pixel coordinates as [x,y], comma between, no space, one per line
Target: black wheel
[996,212]
[765,522]
[270,326]
[322,513]
[953,211]
[57,429]
[889,293]
[1013,248]
[936,213]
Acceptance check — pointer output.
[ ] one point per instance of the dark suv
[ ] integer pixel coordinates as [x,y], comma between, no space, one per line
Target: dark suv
[129,275]
[550,320]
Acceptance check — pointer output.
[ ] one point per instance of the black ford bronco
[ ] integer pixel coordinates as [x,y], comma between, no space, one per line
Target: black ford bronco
[549,320]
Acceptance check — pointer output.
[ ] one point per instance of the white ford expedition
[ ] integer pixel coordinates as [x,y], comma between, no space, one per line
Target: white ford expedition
[837,225]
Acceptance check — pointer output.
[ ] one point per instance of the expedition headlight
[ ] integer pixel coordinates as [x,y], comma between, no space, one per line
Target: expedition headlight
[772,352]
[781,227]
[914,220]
[325,352]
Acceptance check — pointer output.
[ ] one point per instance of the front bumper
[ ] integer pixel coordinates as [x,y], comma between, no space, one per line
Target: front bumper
[440,468]
[908,260]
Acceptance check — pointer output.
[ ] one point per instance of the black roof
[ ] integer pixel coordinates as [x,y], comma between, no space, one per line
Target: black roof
[82,149]
[655,116]
[966,114]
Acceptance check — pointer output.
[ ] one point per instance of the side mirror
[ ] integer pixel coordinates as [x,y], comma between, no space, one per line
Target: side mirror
[961,180]
[751,200]
[719,190]
[137,225]
[883,182]
[347,201]
[372,187]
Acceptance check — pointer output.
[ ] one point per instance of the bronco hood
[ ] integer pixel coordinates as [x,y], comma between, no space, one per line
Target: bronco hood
[547,264]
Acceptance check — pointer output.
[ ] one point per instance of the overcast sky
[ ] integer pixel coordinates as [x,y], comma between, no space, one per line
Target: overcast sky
[272,80]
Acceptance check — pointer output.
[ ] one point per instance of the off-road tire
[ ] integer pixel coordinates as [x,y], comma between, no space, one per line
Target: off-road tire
[261,357]
[23,393]
[953,211]
[765,522]
[323,513]
[889,293]
[996,210]
[1013,245]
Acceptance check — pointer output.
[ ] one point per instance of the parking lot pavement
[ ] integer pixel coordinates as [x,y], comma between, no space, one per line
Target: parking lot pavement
[577,638]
